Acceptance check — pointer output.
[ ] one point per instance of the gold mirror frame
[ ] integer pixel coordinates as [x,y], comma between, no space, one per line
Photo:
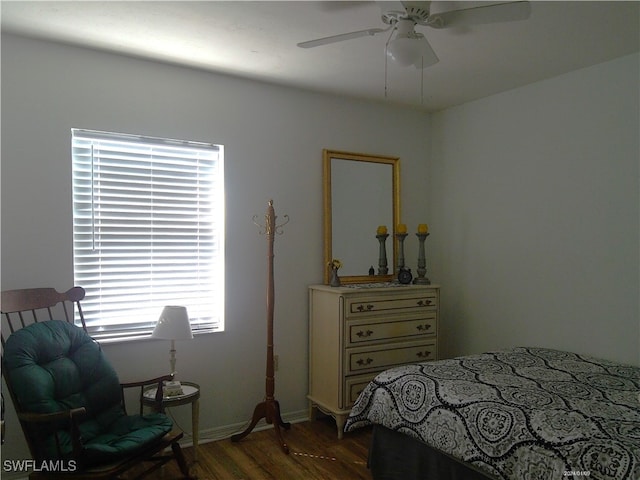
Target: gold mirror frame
[328,156]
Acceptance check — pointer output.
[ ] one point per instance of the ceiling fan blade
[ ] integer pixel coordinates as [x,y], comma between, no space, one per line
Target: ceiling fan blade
[342,37]
[428,57]
[503,12]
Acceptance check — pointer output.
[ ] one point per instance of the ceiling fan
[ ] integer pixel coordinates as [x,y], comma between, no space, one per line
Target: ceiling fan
[408,47]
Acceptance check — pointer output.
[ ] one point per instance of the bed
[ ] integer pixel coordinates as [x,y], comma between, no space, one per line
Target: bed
[522,413]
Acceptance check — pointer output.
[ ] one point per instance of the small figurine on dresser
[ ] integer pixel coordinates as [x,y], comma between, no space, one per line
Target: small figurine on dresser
[334,279]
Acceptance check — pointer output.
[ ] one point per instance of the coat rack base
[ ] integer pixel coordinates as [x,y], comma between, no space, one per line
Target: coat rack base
[270,411]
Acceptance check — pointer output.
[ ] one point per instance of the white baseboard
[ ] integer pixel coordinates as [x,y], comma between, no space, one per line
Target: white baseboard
[220,433]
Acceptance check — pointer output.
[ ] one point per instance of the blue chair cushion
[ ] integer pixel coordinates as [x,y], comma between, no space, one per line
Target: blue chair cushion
[55,366]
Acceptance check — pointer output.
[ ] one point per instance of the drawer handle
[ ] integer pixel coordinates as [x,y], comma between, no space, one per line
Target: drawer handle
[424,354]
[424,328]
[425,303]
[361,334]
[362,362]
[362,308]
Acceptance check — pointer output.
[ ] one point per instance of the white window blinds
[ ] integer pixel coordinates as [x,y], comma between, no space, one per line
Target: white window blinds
[148,231]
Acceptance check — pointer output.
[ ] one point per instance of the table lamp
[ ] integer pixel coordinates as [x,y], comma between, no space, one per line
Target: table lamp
[173,325]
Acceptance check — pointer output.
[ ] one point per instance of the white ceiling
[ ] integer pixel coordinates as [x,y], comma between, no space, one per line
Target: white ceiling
[258,40]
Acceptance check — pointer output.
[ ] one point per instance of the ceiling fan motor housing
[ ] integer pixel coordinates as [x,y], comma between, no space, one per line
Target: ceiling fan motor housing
[416,14]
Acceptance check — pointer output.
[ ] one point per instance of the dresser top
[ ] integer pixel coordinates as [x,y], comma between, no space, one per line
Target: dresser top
[373,287]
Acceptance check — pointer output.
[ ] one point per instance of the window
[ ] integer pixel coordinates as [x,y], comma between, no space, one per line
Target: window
[148,231]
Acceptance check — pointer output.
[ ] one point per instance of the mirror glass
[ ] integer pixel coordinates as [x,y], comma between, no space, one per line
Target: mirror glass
[361,193]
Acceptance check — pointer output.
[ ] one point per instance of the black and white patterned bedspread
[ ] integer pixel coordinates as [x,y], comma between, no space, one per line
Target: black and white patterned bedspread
[525,413]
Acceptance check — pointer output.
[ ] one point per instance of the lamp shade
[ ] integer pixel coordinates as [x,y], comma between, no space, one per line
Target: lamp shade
[173,324]
[404,50]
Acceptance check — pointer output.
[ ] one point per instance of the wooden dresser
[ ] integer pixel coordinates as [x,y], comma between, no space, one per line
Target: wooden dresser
[357,332]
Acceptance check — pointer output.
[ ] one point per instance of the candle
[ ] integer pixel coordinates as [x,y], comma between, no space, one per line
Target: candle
[423,228]
[382,230]
[402,228]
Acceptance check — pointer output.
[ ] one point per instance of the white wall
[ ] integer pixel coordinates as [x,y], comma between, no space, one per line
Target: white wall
[535,200]
[273,140]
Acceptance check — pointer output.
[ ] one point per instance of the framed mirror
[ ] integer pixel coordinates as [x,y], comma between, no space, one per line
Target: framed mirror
[361,193]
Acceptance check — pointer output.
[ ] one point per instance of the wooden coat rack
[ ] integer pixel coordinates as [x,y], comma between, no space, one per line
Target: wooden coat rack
[269,409]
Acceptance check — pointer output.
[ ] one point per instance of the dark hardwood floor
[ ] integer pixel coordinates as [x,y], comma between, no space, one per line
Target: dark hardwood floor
[315,454]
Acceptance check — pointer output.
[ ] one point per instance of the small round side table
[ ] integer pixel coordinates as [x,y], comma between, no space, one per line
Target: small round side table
[190,394]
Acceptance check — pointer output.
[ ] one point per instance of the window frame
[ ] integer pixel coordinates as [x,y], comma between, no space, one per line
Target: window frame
[191,217]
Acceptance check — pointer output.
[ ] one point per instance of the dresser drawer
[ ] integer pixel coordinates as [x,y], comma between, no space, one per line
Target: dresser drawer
[363,359]
[360,306]
[360,332]
[354,385]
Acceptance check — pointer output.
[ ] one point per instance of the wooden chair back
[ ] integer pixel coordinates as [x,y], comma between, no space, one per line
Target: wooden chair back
[22,307]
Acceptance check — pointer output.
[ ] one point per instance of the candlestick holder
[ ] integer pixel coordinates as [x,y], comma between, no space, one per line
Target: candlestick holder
[401,237]
[383,268]
[422,261]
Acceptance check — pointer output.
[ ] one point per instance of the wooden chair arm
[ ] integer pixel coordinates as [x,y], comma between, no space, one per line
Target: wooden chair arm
[157,402]
[144,383]
[72,416]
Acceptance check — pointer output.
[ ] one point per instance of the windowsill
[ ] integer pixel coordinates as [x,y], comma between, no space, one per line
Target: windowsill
[144,338]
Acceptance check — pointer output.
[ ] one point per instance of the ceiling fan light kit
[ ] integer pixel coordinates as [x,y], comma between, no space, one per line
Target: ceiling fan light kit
[410,47]
[404,51]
